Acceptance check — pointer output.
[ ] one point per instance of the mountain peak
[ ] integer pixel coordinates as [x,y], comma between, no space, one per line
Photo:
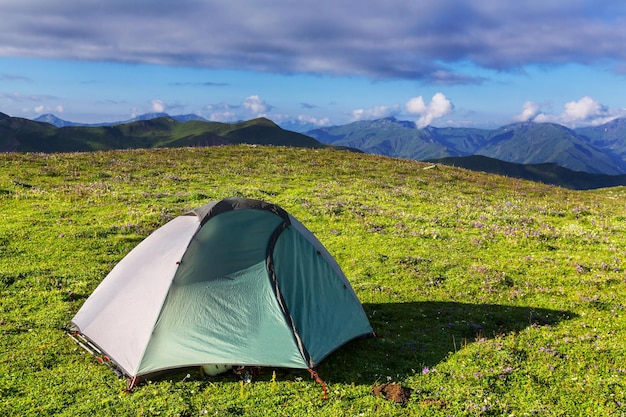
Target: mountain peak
[264,121]
[53,120]
[149,116]
[392,120]
[58,122]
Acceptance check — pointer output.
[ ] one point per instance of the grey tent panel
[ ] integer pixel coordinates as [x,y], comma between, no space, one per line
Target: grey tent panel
[120,314]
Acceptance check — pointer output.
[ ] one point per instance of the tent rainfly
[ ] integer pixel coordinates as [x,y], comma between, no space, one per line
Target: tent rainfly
[234,282]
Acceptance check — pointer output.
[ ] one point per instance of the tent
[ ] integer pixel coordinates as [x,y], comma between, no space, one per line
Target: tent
[234,282]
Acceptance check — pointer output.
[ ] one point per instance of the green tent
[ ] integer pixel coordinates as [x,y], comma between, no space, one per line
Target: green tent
[234,282]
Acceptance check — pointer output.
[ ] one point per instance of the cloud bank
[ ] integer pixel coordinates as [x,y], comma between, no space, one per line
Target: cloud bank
[586,111]
[391,39]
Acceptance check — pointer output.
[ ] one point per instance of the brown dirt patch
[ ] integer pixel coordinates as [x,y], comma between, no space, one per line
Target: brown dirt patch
[392,391]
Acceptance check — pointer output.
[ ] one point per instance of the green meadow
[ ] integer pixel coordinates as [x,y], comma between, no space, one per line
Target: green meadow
[491,296]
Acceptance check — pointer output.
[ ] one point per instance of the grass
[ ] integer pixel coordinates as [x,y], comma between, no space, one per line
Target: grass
[492,296]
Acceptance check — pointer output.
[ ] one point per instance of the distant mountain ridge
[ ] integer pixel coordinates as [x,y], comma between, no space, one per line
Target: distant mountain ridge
[292,125]
[583,158]
[23,135]
[56,121]
[598,150]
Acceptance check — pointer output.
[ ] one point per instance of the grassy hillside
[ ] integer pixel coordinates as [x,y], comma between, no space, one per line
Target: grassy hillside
[492,296]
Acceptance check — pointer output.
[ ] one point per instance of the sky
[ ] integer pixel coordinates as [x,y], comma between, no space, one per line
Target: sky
[473,63]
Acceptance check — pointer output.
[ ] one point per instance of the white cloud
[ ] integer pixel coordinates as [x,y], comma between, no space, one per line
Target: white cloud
[529,111]
[585,112]
[42,108]
[221,112]
[377,112]
[324,121]
[158,106]
[224,116]
[416,105]
[439,106]
[255,105]
[584,109]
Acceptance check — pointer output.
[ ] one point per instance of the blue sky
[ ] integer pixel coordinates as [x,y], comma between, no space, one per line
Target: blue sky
[479,63]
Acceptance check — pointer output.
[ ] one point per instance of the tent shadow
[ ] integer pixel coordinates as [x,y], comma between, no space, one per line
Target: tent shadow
[411,336]
[415,335]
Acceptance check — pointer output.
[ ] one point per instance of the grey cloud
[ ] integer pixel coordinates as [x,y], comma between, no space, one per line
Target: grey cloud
[13,77]
[18,97]
[199,84]
[110,101]
[391,39]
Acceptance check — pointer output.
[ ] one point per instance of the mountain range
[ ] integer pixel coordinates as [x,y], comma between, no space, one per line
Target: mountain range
[23,135]
[58,122]
[597,150]
[583,158]
[293,125]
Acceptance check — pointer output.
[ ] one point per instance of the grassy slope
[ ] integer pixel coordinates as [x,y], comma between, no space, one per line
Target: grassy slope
[493,296]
